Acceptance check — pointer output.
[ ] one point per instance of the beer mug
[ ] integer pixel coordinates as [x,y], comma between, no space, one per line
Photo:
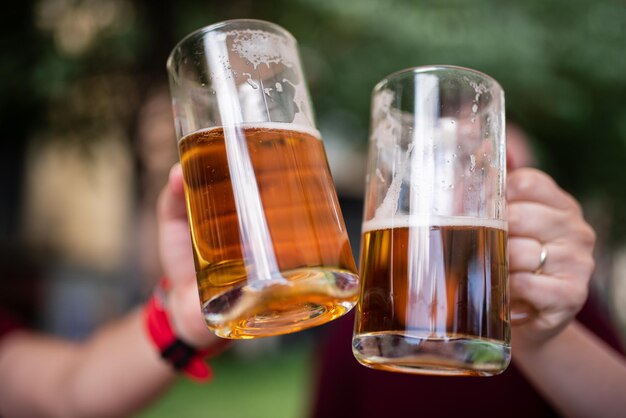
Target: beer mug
[435,296]
[270,246]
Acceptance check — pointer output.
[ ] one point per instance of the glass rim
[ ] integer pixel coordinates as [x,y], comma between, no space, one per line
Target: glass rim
[198,33]
[432,68]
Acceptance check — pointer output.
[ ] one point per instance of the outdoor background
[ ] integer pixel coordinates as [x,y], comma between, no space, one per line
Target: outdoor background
[88,141]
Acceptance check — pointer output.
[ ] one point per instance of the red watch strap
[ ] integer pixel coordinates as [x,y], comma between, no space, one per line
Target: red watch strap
[178,353]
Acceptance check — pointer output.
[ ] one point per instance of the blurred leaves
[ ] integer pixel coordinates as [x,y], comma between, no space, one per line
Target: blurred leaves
[561,63]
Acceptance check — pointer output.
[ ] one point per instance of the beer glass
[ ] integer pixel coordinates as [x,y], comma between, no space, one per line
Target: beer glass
[435,296]
[270,246]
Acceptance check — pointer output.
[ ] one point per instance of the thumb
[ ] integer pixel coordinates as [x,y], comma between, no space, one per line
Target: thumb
[171,203]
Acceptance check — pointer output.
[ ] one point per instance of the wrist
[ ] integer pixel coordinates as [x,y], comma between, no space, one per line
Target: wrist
[527,341]
[176,351]
[183,306]
[180,323]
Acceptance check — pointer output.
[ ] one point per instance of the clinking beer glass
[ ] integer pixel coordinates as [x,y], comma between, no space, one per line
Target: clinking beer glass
[270,246]
[435,296]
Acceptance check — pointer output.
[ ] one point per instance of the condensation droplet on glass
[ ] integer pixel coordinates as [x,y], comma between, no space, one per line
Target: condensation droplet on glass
[379,174]
[472,166]
[252,84]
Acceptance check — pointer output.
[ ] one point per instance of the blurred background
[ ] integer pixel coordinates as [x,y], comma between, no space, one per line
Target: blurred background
[89,140]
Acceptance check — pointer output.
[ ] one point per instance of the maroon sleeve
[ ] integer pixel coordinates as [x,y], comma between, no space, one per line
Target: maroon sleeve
[344,388]
[8,323]
[336,388]
[597,321]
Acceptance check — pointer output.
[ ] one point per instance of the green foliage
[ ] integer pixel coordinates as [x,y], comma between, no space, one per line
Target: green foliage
[562,65]
[274,386]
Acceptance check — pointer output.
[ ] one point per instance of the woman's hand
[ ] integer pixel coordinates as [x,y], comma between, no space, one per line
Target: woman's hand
[543,217]
[177,260]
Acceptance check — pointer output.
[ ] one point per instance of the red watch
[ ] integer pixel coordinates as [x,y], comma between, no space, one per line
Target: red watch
[178,353]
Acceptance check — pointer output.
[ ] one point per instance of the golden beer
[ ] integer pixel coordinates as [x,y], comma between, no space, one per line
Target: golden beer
[318,280]
[434,298]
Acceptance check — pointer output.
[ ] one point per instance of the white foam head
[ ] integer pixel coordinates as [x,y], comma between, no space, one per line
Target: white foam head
[408,221]
[261,47]
[272,125]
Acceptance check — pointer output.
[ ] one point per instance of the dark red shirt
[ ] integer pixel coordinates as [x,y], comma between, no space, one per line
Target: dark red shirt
[8,323]
[347,389]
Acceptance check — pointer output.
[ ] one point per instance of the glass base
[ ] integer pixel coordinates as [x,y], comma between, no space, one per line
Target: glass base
[458,355]
[297,300]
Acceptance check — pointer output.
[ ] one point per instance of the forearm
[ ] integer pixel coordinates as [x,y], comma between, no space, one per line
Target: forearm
[578,373]
[114,373]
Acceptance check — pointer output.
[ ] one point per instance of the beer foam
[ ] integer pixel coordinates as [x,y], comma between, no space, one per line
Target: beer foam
[261,47]
[283,126]
[408,221]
